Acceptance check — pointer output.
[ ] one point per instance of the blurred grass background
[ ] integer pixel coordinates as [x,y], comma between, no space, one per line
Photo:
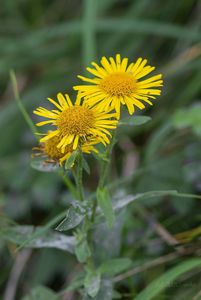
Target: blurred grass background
[48,43]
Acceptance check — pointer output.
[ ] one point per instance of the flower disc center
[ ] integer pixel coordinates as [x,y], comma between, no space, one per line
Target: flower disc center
[50,148]
[118,84]
[75,120]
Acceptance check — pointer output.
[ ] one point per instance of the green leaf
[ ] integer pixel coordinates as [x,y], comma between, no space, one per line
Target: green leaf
[74,216]
[105,203]
[134,121]
[115,266]
[188,118]
[92,283]
[71,160]
[82,249]
[126,200]
[108,247]
[105,292]
[41,165]
[51,239]
[159,284]
[41,293]
[41,231]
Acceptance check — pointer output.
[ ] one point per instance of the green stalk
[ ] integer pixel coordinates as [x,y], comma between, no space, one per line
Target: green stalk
[104,173]
[69,184]
[78,174]
[20,104]
[89,53]
[94,207]
[105,166]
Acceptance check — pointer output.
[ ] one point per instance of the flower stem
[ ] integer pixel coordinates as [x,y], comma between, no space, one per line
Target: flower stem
[69,184]
[94,207]
[79,177]
[104,173]
[105,166]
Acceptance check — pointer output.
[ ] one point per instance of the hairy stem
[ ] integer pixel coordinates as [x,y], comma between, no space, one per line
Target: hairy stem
[104,172]
[105,166]
[79,177]
[69,184]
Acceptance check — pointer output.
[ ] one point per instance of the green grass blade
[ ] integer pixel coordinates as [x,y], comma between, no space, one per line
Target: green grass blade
[88,32]
[20,104]
[148,27]
[167,279]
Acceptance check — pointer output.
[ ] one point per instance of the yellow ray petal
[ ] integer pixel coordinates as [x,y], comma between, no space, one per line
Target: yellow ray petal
[45,122]
[55,103]
[151,79]
[49,136]
[95,80]
[62,100]
[106,64]
[124,64]
[75,143]
[113,64]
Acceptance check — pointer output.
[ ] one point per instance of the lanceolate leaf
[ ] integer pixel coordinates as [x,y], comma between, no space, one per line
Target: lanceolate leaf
[71,160]
[124,201]
[121,202]
[50,239]
[105,203]
[115,266]
[41,231]
[72,219]
[159,284]
[92,283]
[82,250]
[107,242]
[105,292]
[134,121]
[74,216]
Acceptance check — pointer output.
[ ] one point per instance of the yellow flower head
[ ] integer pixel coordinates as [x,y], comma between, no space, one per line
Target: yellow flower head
[118,82]
[76,124]
[52,153]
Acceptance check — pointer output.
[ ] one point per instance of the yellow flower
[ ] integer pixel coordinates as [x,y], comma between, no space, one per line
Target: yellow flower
[76,124]
[118,82]
[52,154]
